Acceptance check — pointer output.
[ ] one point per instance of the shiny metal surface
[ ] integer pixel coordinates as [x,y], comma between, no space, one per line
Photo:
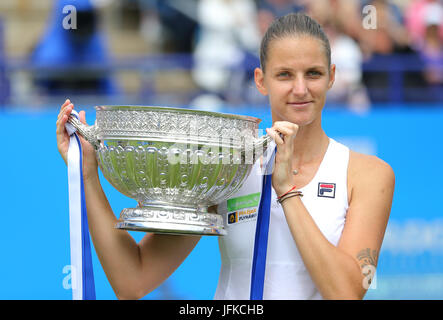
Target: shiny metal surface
[174,162]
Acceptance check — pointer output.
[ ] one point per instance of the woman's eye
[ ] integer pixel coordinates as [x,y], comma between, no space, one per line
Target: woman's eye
[314,73]
[283,74]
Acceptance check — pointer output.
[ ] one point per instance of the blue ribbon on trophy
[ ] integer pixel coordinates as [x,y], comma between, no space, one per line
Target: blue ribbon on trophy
[262,230]
[82,275]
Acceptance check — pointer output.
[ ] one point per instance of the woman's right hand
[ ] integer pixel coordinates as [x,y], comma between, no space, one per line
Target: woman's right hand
[89,159]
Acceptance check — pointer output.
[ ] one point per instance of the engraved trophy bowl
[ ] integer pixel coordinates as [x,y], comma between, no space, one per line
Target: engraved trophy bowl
[175,162]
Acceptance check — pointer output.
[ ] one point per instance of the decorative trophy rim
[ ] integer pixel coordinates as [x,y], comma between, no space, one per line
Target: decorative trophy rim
[177,109]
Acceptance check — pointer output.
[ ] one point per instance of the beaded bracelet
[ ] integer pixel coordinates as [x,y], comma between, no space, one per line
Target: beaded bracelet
[289,195]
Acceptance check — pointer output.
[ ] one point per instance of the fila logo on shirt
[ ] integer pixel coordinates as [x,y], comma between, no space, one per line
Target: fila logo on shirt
[326,190]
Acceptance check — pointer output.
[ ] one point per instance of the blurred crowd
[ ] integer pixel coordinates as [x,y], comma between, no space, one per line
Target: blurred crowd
[384,50]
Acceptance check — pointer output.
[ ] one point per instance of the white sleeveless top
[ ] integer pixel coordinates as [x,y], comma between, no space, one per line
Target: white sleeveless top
[286,277]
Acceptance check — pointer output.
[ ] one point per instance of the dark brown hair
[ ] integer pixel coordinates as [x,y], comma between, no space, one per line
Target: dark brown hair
[293,24]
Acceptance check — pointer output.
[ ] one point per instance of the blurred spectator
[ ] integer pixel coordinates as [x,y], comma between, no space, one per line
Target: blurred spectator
[344,14]
[228,36]
[64,56]
[419,14]
[178,23]
[347,56]
[388,54]
[150,25]
[432,50]
[128,14]
[269,10]
[389,35]
[4,83]
[337,19]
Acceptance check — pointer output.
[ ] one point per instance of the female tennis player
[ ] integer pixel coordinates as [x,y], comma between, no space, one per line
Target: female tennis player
[330,205]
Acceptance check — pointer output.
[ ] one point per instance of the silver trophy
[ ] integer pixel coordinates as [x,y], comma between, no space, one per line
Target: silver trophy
[176,163]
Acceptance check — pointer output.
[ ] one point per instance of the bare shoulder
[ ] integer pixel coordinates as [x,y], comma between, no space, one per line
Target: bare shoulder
[361,165]
[368,171]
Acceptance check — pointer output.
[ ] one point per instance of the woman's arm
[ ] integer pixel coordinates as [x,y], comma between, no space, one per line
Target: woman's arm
[133,270]
[345,271]
[342,271]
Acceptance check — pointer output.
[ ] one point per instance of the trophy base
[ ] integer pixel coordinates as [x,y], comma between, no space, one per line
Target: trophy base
[166,219]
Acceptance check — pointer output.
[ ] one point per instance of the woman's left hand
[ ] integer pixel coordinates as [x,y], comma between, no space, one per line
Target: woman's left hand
[283,133]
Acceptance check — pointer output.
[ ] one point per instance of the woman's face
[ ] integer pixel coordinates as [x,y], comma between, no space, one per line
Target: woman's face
[297,78]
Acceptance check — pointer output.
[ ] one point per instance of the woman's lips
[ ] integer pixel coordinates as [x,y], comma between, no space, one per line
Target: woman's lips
[299,104]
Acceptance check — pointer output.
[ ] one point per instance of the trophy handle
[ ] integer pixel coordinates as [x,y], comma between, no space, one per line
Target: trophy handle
[87,132]
[259,146]
[262,144]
